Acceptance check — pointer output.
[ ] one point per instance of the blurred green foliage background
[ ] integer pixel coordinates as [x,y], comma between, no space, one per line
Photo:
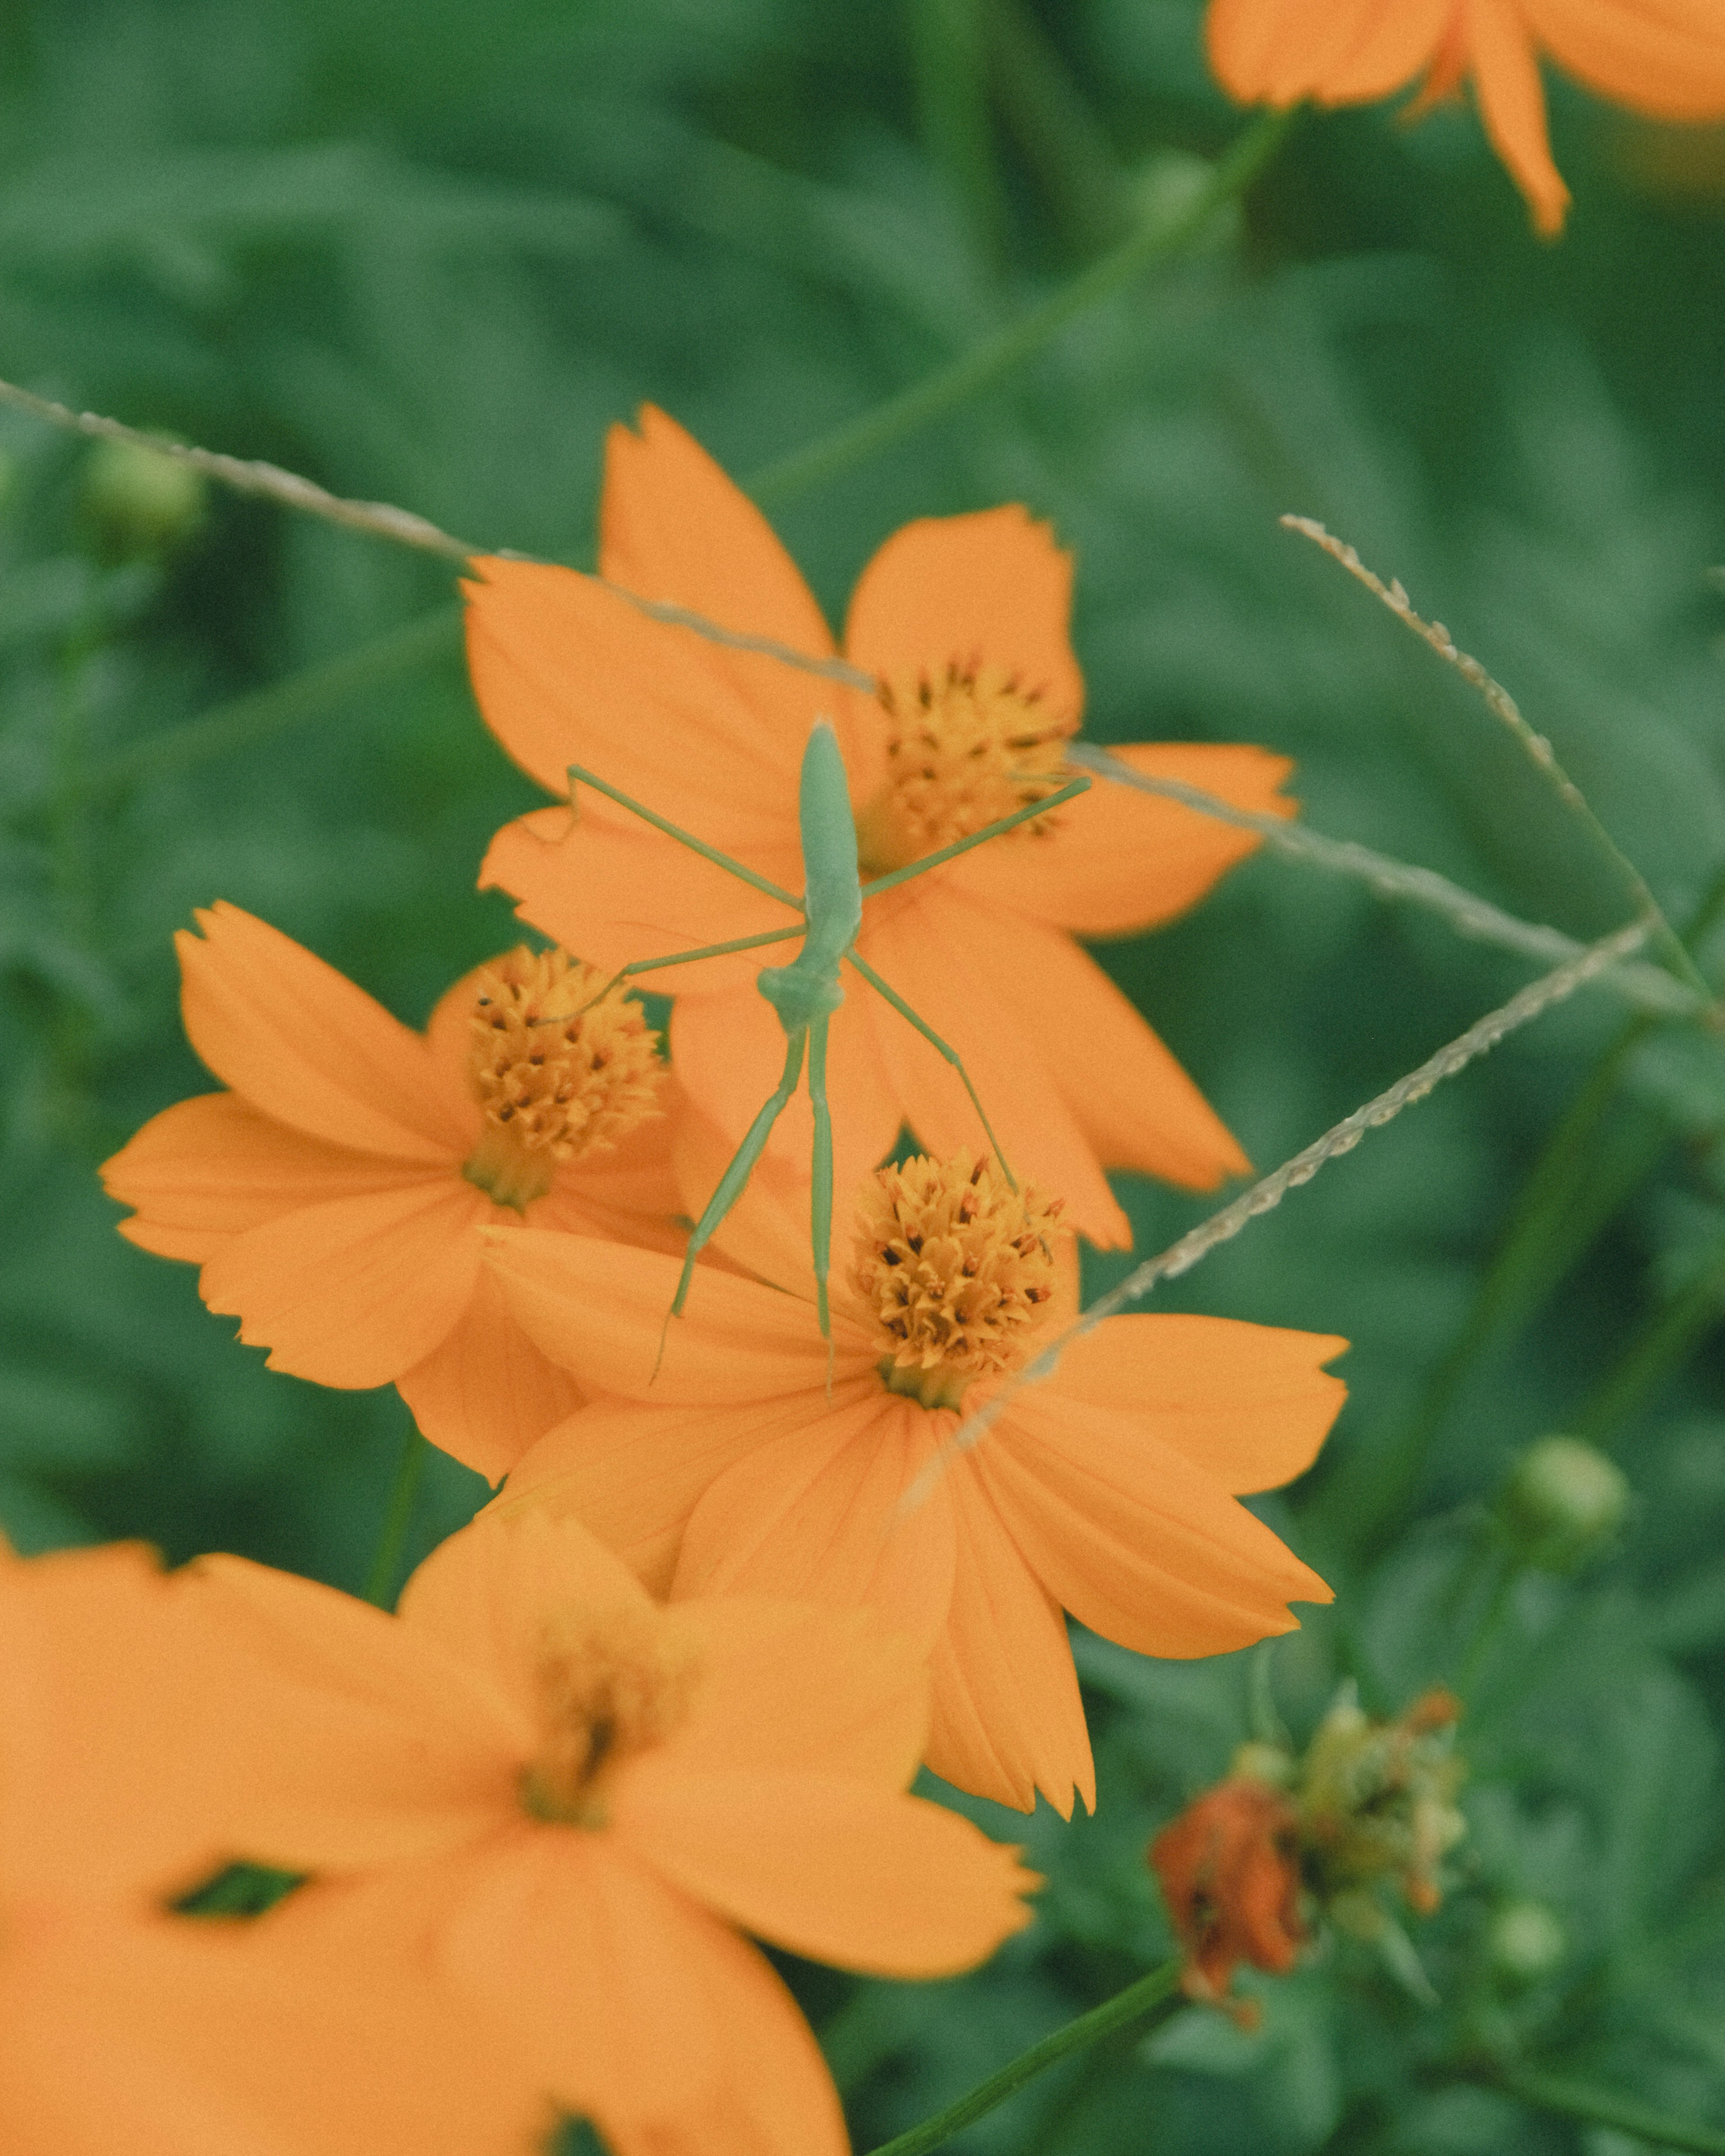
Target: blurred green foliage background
[424,253]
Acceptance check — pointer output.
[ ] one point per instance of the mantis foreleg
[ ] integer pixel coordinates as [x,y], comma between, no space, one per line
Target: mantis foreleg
[895,876]
[940,1048]
[744,874]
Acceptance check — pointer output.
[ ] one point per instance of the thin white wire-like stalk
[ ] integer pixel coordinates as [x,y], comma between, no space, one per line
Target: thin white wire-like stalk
[402,526]
[1267,1194]
[1539,750]
[1649,986]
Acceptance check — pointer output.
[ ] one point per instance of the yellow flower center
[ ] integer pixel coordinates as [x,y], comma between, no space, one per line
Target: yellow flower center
[958,1268]
[562,1065]
[965,747]
[612,1682]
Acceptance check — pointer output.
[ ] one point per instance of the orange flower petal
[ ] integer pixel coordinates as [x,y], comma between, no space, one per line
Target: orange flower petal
[1512,99]
[356,1291]
[614,896]
[603,1313]
[819,1516]
[482,1596]
[993,587]
[730,1051]
[628,1193]
[486,1394]
[176,2039]
[1662,57]
[564,671]
[1007,1719]
[1338,51]
[924,951]
[1134,1105]
[831,1869]
[108,1684]
[633,1472]
[1118,861]
[207,1168]
[638,2010]
[1130,1537]
[673,526]
[788,1688]
[360,1740]
[1249,1404]
[302,1042]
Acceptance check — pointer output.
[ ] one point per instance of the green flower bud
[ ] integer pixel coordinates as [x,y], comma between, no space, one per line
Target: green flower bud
[1562,1501]
[1525,1942]
[138,501]
[1268,1763]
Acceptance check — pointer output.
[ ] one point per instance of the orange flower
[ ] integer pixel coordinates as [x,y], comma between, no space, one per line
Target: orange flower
[745,1466]
[962,620]
[334,1197]
[1665,58]
[555,1799]
[129,2029]
[1230,1876]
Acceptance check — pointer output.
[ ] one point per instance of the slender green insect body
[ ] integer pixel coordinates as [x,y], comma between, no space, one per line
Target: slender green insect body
[806,992]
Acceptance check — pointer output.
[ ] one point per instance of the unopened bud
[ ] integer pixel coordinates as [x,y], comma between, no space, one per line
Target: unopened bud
[139,501]
[1562,1501]
[1268,1763]
[1525,1942]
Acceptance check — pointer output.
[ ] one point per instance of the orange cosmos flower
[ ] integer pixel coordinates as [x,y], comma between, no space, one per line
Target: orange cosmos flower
[1229,1870]
[1665,58]
[126,2028]
[962,620]
[334,1197]
[739,1464]
[555,1799]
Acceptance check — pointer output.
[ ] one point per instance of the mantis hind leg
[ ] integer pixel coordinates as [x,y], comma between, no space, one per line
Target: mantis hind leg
[940,1047]
[736,1176]
[820,1201]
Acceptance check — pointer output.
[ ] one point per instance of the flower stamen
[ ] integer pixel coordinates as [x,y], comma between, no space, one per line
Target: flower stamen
[612,1683]
[965,747]
[563,1063]
[958,1268]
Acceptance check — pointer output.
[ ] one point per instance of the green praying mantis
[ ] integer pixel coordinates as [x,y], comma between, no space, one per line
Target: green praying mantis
[806,992]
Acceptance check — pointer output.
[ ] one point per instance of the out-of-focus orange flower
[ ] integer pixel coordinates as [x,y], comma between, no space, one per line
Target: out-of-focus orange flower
[740,1463]
[127,2028]
[1230,1876]
[555,1799]
[963,622]
[334,1197]
[1663,57]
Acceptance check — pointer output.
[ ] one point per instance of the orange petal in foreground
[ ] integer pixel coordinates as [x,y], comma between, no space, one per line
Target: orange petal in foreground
[1663,57]
[129,2028]
[553,1799]
[336,1195]
[962,622]
[1113,1496]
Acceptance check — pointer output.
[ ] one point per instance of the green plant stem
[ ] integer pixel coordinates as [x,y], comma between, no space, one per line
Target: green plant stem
[258,717]
[1655,1351]
[1158,1995]
[950,71]
[398,1517]
[924,402]
[1491,1624]
[1580,2100]
[1087,187]
[1567,1200]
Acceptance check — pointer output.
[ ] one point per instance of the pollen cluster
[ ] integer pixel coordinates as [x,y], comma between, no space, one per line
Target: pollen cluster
[612,1682]
[956,1267]
[562,1065]
[966,747]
